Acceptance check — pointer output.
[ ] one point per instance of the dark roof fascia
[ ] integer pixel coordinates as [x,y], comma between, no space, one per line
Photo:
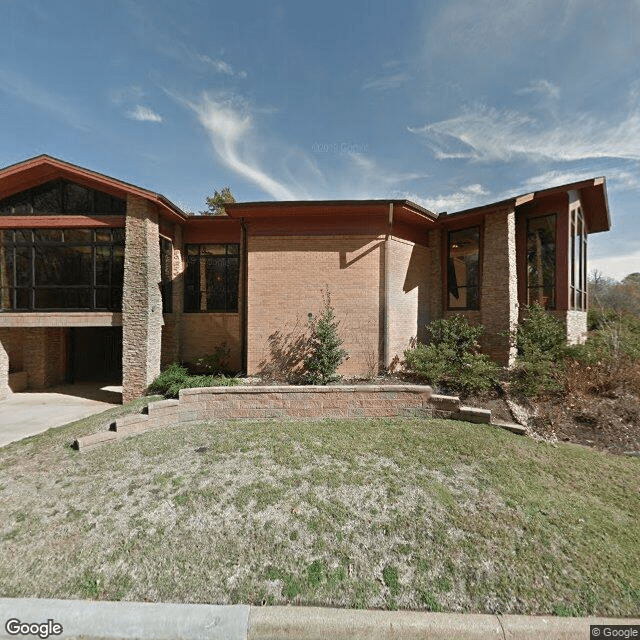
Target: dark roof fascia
[290,204]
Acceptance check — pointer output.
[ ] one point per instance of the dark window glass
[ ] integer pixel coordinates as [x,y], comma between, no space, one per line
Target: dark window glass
[48,235]
[48,198]
[82,236]
[541,261]
[77,199]
[166,263]
[211,278]
[49,273]
[62,197]
[23,266]
[463,269]
[24,236]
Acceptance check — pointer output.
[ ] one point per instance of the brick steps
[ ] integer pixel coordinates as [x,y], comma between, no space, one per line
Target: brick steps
[293,402]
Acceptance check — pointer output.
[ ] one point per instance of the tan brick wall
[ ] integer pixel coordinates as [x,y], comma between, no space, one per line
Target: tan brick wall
[12,340]
[45,355]
[575,323]
[286,276]
[141,301]
[410,300]
[203,332]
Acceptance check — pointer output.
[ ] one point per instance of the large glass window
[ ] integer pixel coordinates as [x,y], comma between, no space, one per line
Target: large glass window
[577,260]
[541,261]
[463,269]
[211,278]
[62,197]
[55,269]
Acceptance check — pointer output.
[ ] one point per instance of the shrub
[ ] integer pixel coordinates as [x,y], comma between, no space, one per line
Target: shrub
[325,353]
[176,377]
[216,362]
[452,357]
[542,347]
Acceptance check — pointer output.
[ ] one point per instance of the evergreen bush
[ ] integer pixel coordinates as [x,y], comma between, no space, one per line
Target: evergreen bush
[325,352]
[452,358]
[542,346]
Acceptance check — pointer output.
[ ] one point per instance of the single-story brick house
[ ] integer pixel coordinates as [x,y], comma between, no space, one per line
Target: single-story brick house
[101,278]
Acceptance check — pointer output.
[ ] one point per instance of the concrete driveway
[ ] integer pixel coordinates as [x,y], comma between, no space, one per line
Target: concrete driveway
[26,414]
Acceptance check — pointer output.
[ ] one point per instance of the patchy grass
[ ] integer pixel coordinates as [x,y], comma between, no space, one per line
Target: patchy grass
[381,513]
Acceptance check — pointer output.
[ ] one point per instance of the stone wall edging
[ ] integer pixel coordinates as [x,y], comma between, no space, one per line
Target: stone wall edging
[287,402]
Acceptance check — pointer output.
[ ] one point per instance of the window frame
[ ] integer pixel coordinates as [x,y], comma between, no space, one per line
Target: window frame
[577,260]
[31,247]
[553,302]
[193,291]
[448,261]
[63,189]
[166,274]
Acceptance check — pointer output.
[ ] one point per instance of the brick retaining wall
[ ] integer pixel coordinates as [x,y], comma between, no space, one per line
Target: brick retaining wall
[289,402]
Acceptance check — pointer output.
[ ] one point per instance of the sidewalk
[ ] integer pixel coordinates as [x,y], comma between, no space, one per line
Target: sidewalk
[29,413]
[91,620]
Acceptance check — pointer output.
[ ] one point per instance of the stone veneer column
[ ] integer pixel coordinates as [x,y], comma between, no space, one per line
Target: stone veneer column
[499,295]
[141,299]
[4,372]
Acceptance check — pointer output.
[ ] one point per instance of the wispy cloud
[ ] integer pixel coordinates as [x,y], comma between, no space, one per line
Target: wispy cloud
[127,95]
[229,124]
[144,114]
[543,87]
[388,82]
[489,135]
[463,198]
[19,86]
[220,66]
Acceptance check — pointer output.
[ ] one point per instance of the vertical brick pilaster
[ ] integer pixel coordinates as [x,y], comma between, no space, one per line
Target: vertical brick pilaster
[35,360]
[141,299]
[499,296]
[4,372]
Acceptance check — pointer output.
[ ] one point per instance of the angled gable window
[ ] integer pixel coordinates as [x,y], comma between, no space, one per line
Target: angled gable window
[58,197]
[463,269]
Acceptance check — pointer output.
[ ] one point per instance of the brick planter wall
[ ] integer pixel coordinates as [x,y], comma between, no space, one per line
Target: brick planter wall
[302,402]
[223,403]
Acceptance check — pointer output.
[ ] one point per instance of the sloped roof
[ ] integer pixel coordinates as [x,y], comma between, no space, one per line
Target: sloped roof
[34,171]
[593,196]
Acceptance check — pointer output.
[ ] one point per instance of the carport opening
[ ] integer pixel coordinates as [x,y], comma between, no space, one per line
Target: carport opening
[95,355]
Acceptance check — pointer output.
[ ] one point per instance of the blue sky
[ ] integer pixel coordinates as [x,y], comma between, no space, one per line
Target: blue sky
[450,104]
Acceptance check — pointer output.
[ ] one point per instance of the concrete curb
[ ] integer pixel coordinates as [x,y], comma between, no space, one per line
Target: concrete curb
[91,620]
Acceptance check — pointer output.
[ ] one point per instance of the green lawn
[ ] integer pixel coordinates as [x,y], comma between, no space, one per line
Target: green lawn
[384,513]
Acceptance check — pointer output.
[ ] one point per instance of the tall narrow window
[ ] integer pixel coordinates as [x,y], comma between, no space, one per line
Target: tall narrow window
[211,277]
[577,260]
[463,269]
[166,282]
[541,261]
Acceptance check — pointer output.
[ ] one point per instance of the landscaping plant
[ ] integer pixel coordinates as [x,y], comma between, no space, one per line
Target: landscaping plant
[452,356]
[325,346]
[176,377]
